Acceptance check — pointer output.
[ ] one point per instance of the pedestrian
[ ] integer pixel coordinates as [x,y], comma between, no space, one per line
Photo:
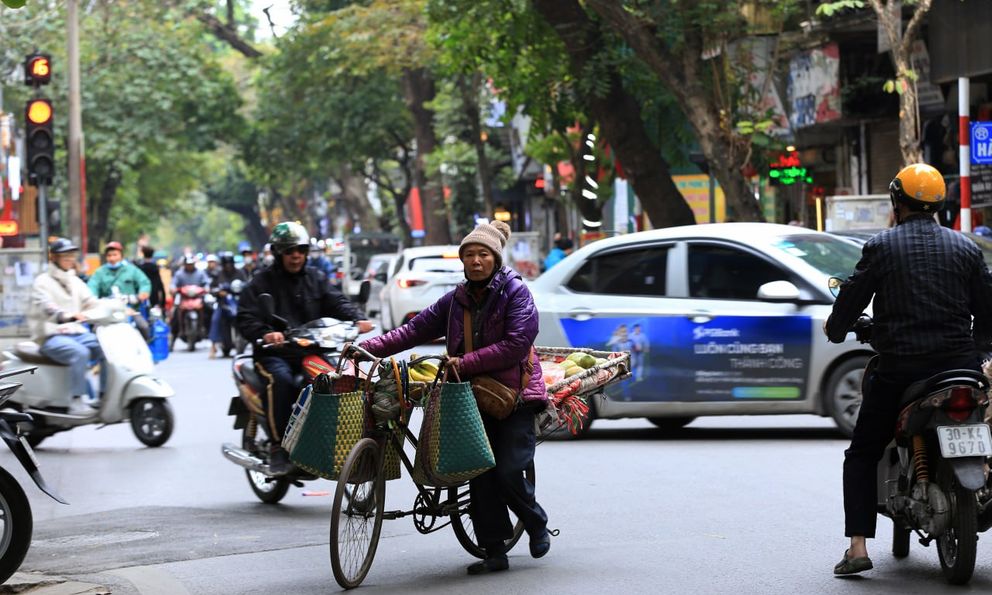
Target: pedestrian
[932,307]
[504,324]
[563,248]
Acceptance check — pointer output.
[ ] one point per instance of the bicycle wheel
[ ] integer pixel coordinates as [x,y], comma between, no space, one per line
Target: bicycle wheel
[461,522]
[356,515]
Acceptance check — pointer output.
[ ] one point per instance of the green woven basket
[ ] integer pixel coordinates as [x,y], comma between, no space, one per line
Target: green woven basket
[330,428]
[453,446]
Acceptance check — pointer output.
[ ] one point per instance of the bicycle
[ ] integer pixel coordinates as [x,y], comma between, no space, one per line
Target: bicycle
[359,500]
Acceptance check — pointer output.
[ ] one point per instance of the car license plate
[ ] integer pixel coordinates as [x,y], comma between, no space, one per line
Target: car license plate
[969,440]
[29,450]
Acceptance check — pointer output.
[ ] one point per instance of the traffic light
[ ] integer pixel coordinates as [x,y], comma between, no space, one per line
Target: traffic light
[40,141]
[37,70]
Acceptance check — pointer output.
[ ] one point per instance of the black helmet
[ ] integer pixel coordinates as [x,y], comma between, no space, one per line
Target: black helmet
[226,258]
[288,234]
[61,246]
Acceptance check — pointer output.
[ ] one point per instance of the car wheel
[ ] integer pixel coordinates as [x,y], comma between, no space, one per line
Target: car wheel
[843,394]
[671,424]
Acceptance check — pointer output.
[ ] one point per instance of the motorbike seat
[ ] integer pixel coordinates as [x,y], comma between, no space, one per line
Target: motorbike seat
[30,353]
[922,388]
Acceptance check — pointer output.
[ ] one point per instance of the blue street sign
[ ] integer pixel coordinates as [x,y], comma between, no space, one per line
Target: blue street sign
[981,143]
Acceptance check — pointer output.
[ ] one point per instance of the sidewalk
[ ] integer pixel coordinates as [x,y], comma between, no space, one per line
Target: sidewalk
[40,584]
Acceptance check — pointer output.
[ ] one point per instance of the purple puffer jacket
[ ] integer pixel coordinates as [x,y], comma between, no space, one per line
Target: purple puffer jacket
[510,325]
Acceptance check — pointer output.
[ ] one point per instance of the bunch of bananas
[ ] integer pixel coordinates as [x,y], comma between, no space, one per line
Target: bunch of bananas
[423,372]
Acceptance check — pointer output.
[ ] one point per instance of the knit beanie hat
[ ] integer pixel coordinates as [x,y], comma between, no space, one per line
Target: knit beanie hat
[492,235]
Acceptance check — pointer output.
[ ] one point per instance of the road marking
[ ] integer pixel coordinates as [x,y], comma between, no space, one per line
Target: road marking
[149,580]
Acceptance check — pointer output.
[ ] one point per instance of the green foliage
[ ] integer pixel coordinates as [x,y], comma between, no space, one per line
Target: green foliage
[154,100]
[14,3]
[314,109]
[829,9]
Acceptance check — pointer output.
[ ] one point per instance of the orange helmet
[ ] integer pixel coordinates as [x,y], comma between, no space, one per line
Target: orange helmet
[920,187]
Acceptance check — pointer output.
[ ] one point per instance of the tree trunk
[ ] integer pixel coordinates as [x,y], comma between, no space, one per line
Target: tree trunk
[354,191]
[469,88]
[902,47]
[619,117]
[99,221]
[681,73]
[418,90]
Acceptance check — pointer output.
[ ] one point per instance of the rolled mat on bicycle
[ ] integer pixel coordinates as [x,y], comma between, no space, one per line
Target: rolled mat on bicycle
[329,418]
[453,446]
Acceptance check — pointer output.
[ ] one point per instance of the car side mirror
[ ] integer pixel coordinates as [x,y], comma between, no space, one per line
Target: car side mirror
[381,277]
[779,291]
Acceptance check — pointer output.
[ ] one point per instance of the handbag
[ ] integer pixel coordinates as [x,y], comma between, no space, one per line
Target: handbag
[453,447]
[493,397]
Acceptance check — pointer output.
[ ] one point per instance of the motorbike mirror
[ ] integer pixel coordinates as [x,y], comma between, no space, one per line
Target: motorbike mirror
[833,284]
[364,291]
[268,306]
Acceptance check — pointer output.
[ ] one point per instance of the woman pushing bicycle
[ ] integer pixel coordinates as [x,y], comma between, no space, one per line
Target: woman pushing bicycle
[490,324]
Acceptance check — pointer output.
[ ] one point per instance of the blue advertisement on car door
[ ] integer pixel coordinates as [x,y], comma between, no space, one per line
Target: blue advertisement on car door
[726,358]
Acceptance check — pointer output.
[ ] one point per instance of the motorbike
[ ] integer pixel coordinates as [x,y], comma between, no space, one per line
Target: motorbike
[131,389]
[193,311]
[319,343]
[16,522]
[933,473]
[227,303]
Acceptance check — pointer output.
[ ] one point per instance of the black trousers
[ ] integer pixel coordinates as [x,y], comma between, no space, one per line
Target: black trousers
[875,428]
[513,441]
[281,393]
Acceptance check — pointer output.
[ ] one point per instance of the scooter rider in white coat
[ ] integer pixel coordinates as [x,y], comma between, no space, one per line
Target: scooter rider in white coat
[58,298]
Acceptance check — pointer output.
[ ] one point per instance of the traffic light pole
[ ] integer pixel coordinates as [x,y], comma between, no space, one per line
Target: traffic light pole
[43,222]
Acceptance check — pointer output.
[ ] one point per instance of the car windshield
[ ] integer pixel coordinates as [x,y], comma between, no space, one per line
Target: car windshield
[436,264]
[829,255]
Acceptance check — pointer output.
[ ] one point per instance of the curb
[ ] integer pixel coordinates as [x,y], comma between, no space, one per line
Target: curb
[41,584]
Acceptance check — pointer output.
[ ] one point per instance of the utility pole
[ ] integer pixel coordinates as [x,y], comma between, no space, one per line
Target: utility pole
[75,207]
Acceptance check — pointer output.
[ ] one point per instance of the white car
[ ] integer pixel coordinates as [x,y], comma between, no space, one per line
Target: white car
[420,276]
[720,319]
[380,267]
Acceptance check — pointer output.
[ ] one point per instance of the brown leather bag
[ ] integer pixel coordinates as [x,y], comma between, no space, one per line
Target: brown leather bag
[493,397]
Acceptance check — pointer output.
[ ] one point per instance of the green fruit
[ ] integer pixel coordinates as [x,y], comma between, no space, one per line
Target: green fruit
[14,3]
[586,361]
[574,357]
[573,371]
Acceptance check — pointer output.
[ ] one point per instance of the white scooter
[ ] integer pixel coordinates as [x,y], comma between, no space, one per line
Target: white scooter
[131,390]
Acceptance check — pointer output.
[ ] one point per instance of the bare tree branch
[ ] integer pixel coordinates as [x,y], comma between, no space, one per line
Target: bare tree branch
[228,34]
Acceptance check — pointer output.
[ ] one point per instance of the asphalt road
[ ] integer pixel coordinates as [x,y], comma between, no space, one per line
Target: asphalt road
[729,505]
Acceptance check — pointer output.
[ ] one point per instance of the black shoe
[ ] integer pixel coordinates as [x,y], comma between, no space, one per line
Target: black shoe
[491,564]
[540,544]
[279,461]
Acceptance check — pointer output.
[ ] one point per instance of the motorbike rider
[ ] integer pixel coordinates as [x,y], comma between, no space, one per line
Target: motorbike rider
[151,270]
[221,285]
[213,267]
[187,275]
[129,280]
[58,299]
[300,294]
[928,282]
[248,261]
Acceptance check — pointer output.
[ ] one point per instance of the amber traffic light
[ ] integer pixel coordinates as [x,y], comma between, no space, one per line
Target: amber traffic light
[40,141]
[37,70]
